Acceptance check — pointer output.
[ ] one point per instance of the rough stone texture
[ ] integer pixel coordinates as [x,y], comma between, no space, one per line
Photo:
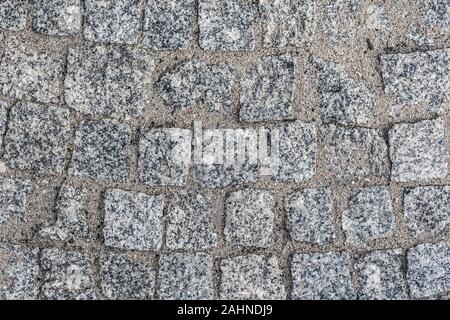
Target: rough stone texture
[309,216]
[37,138]
[100,150]
[379,275]
[428,271]
[14,194]
[57,17]
[125,278]
[252,277]
[108,80]
[132,220]
[418,151]
[4,107]
[249,218]
[321,276]
[186,276]
[13,14]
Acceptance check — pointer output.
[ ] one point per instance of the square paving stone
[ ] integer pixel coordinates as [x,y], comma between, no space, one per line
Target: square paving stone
[249,218]
[368,216]
[379,275]
[101,150]
[168,24]
[14,196]
[107,80]
[164,156]
[310,216]
[19,272]
[113,21]
[37,138]
[321,276]
[4,107]
[418,151]
[13,14]
[428,271]
[57,17]
[29,74]
[126,278]
[190,222]
[226,25]
[132,220]
[251,277]
[67,275]
[186,276]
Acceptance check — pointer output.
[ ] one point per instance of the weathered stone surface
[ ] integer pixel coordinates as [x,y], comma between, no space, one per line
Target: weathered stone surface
[13,14]
[132,220]
[186,276]
[57,17]
[4,107]
[310,216]
[14,196]
[321,276]
[418,151]
[251,277]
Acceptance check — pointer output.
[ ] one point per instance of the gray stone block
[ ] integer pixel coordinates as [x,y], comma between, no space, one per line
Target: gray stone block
[57,17]
[13,14]
[14,196]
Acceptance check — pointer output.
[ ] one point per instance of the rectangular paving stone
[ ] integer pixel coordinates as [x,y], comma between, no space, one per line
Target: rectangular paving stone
[418,151]
[57,17]
[186,276]
[132,221]
[37,138]
[14,195]
[4,107]
[13,14]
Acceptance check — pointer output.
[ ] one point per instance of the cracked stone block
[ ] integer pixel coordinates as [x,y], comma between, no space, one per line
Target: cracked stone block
[14,198]
[267,90]
[434,22]
[189,223]
[101,150]
[108,80]
[343,100]
[4,107]
[193,81]
[186,276]
[167,24]
[368,216]
[133,221]
[287,23]
[71,216]
[26,73]
[113,21]
[418,78]
[251,277]
[310,216]
[356,153]
[57,17]
[321,276]
[226,25]
[126,278]
[249,218]
[37,138]
[164,156]
[67,275]
[428,271]
[19,272]
[418,151]
[13,14]
[379,275]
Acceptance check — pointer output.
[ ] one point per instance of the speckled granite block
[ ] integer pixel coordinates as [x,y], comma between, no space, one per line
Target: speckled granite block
[4,107]
[418,151]
[14,196]
[100,150]
[126,278]
[108,80]
[13,14]
[310,216]
[267,89]
[428,271]
[379,275]
[66,275]
[368,215]
[321,276]
[189,223]
[19,272]
[57,17]
[249,218]
[168,24]
[164,156]
[250,277]
[433,26]
[37,138]
[132,220]
[226,25]
[30,74]
[186,276]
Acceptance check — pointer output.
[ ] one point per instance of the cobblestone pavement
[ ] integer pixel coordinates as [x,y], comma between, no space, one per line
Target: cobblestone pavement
[107,192]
